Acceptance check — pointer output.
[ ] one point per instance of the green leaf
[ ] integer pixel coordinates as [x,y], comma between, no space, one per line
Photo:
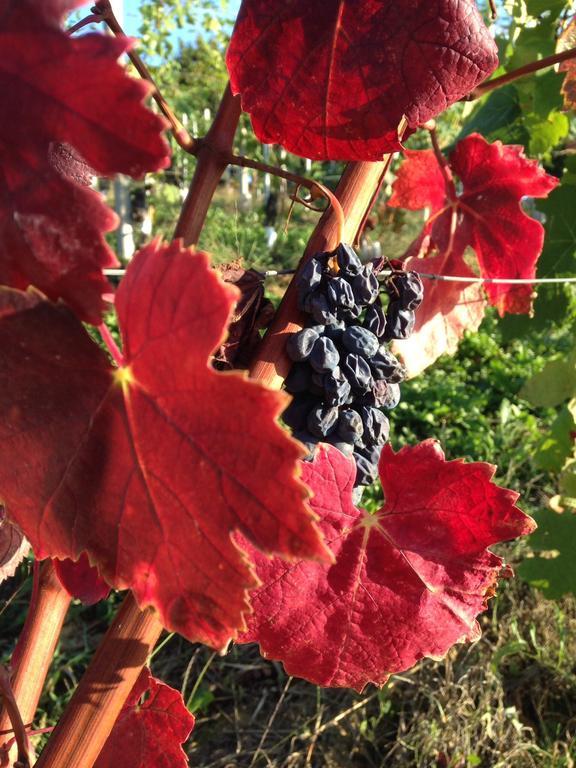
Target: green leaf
[559,254]
[558,444]
[498,118]
[554,546]
[546,134]
[554,384]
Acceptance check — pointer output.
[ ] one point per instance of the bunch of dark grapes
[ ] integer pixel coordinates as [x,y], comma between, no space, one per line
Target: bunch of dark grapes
[344,377]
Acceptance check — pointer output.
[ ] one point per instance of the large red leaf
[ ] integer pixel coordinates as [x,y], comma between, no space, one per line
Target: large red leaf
[57,88]
[150,467]
[332,79]
[52,233]
[149,732]
[488,212]
[407,582]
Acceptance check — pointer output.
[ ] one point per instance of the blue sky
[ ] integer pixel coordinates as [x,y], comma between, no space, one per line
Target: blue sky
[132,16]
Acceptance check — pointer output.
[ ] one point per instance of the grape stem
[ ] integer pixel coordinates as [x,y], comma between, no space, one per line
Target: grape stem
[316,189]
[102,12]
[516,74]
[111,345]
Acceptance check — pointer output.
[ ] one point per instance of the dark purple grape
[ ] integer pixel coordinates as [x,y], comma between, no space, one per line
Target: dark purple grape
[346,448]
[347,260]
[407,289]
[375,319]
[387,394]
[385,366]
[366,472]
[299,379]
[336,388]
[365,286]
[310,277]
[361,341]
[399,322]
[334,332]
[348,316]
[376,425]
[322,420]
[319,308]
[357,371]
[350,427]
[296,414]
[324,356]
[339,293]
[309,441]
[299,345]
[370,452]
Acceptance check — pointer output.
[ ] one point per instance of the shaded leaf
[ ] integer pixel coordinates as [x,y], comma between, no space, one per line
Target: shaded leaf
[332,80]
[150,730]
[167,456]
[252,313]
[41,102]
[13,546]
[554,384]
[555,447]
[554,544]
[81,580]
[407,582]
[52,231]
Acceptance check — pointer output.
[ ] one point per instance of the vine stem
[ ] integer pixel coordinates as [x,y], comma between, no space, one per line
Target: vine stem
[36,645]
[212,155]
[13,712]
[88,720]
[355,193]
[516,74]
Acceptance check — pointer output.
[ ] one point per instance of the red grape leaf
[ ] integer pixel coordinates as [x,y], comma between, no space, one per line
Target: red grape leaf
[447,311]
[52,232]
[149,733]
[13,546]
[489,215]
[81,580]
[333,79]
[57,88]
[407,582]
[149,468]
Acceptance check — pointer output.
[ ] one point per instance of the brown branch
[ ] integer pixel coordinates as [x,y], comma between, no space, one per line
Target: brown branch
[89,718]
[212,153]
[185,141]
[493,9]
[13,712]
[36,645]
[516,74]
[93,18]
[355,193]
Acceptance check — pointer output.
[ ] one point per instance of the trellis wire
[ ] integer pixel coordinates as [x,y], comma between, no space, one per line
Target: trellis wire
[445,278]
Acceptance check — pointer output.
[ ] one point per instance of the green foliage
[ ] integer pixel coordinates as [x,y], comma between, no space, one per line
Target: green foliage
[553,544]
